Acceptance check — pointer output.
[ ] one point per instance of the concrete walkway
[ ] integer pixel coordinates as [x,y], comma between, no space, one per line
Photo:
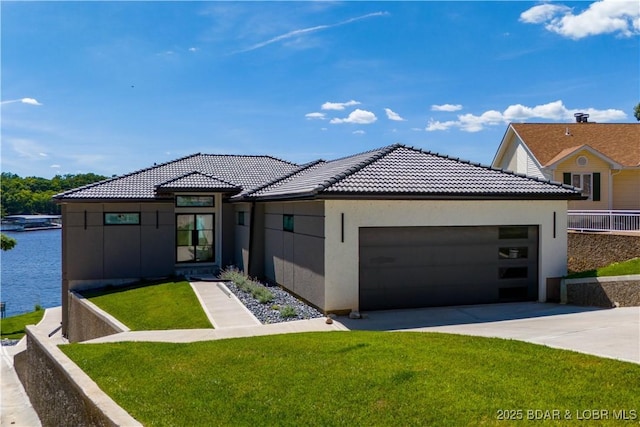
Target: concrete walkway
[15,407]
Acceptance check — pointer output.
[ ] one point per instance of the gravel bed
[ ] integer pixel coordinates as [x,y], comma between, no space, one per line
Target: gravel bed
[7,341]
[266,313]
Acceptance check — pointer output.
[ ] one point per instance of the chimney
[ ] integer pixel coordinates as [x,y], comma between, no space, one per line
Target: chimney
[581,117]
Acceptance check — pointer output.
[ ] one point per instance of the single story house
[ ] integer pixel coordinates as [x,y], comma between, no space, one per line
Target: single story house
[394,227]
[603,159]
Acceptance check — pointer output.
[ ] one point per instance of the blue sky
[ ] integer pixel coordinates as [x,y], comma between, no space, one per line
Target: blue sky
[112,87]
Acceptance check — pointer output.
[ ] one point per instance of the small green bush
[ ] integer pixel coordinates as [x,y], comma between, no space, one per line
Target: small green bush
[246,284]
[288,311]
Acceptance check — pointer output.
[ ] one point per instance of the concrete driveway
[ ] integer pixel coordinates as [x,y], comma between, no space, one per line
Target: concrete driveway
[612,333]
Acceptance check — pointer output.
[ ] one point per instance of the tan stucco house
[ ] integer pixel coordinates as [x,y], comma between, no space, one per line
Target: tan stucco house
[603,159]
[394,227]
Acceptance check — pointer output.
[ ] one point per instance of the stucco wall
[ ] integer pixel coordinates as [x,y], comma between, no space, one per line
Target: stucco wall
[341,257]
[295,259]
[61,393]
[89,322]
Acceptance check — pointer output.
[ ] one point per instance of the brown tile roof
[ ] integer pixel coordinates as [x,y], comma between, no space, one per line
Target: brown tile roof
[618,141]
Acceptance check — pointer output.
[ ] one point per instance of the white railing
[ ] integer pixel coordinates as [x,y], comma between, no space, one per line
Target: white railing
[603,220]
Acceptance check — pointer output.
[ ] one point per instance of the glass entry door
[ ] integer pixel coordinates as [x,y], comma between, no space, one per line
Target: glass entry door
[195,238]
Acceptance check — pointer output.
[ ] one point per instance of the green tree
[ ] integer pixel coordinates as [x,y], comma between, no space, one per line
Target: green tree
[7,242]
[636,112]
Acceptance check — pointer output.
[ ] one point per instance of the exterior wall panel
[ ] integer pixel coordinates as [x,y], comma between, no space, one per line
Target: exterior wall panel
[295,260]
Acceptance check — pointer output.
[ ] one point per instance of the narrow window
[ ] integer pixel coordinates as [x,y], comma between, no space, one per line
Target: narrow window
[513,253]
[513,272]
[194,201]
[513,233]
[125,218]
[287,222]
[241,218]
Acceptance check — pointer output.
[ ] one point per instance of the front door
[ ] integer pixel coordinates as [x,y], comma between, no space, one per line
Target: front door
[195,238]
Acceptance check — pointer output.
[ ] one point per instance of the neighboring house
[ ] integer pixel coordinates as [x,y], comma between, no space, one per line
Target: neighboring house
[389,228]
[603,159]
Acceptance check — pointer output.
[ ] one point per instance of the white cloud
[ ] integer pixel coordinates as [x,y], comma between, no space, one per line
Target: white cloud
[601,17]
[542,13]
[338,105]
[555,111]
[358,116]
[446,107]
[315,116]
[27,148]
[359,132]
[55,166]
[30,101]
[303,31]
[193,49]
[391,115]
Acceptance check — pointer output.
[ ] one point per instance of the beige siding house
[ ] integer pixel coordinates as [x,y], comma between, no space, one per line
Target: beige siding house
[394,227]
[603,159]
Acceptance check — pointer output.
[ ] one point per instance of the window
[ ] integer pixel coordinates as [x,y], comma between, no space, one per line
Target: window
[513,272]
[287,222]
[513,253]
[513,233]
[241,218]
[582,181]
[582,161]
[589,182]
[126,218]
[194,201]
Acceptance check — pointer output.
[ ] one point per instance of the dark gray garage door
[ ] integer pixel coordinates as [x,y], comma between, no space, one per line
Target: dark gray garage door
[404,267]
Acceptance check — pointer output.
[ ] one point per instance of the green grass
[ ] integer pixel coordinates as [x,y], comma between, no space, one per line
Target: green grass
[167,305]
[624,268]
[13,327]
[353,378]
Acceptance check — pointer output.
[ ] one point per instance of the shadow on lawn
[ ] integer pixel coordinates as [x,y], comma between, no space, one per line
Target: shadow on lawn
[387,320]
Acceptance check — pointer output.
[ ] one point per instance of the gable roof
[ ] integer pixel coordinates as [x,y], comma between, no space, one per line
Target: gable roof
[388,172]
[226,172]
[400,171]
[618,142]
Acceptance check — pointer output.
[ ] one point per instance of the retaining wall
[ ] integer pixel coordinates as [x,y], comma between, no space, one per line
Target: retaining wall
[60,392]
[589,251]
[87,321]
[615,291]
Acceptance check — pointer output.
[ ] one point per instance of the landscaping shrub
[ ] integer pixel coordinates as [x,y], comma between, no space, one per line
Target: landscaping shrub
[245,283]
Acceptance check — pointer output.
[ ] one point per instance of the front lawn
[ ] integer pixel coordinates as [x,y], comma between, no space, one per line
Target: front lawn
[624,268]
[160,306]
[355,378]
[13,327]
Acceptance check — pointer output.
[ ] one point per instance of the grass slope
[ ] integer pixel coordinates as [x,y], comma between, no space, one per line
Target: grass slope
[624,268]
[168,305]
[13,327]
[353,378]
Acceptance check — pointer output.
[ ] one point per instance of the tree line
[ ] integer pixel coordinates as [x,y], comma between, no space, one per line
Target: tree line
[33,195]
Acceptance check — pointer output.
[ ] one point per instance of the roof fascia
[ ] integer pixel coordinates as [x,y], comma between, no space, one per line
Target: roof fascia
[503,145]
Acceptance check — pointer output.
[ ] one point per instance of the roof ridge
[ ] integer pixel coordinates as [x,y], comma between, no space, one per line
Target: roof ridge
[377,155]
[113,178]
[285,176]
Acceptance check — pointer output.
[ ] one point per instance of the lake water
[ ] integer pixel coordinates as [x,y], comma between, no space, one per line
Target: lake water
[30,273]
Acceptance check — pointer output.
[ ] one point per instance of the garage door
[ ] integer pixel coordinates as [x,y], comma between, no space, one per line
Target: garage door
[405,267]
